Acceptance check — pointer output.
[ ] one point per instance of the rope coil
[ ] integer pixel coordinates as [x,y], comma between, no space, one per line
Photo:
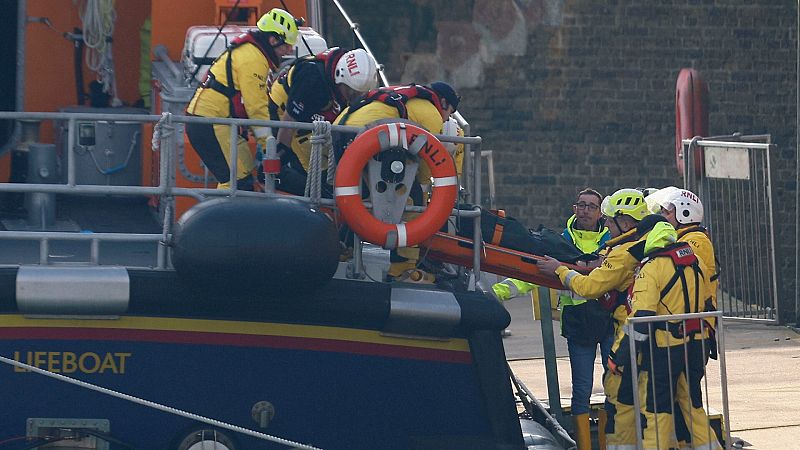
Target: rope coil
[98,17]
[162,130]
[320,142]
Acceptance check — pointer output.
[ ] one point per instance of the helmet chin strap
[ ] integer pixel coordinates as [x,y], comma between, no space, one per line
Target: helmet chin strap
[263,39]
[616,222]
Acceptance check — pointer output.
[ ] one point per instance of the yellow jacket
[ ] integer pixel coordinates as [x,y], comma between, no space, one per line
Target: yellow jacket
[458,157]
[647,300]
[250,69]
[301,139]
[614,274]
[704,249]
[419,110]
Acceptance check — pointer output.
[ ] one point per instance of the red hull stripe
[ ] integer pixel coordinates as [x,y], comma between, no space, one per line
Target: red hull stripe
[237,340]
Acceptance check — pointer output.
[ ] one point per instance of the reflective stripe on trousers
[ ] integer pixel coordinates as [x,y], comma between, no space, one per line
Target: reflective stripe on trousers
[663,380]
[621,421]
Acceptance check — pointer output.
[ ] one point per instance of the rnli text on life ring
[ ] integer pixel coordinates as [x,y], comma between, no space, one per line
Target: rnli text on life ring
[417,142]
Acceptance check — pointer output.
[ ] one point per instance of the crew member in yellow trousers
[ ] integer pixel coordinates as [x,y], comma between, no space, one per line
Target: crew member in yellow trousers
[669,281]
[236,86]
[684,210]
[609,283]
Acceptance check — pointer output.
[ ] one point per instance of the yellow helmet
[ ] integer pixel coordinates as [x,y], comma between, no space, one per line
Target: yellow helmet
[281,23]
[629,202]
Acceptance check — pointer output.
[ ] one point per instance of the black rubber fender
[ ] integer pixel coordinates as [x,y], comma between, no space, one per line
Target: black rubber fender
[260,246]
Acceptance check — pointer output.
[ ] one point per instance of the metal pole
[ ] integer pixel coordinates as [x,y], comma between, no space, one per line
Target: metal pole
[478,239]
[315,16]
[71,152]
[723,374]
[354,27]
[774,289]
[549,346]
[234,158]
[467,170]
[633,367]
[22,21]
[169,153]
[358,257]
[797,182]
[490,173]
[44,252]
[94,251]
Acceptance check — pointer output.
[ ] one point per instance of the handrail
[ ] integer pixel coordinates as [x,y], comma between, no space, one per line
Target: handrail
[166,188]
[720,332]
[204,120]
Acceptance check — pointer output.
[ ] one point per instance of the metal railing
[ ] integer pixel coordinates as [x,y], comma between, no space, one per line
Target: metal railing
[166,189]
[735,186]
[647,383]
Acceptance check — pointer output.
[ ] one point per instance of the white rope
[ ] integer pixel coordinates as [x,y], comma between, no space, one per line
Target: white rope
[98,17]
[320,139]
[148,403]
[331,166]
[162,130]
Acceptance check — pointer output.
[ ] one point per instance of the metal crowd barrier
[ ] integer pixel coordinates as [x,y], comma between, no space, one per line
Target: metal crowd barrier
[735,186]
[653,323]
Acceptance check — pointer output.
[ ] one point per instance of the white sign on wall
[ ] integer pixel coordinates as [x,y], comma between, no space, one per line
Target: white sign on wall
[727,163]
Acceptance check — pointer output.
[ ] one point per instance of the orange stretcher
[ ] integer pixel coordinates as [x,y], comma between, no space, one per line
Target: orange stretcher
[494,259]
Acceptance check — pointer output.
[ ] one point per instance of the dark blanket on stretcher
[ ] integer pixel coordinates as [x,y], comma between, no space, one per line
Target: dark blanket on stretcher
[509,233]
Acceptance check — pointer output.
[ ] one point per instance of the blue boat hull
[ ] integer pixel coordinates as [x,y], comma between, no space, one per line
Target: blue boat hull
[332,385]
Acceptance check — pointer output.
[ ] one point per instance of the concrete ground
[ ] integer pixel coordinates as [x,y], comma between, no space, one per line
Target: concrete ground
[763,371]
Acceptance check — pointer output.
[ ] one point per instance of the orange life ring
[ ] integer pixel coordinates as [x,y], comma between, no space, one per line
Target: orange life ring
[691,115]
[347,187]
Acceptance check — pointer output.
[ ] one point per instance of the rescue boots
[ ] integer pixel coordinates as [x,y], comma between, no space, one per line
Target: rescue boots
[583,435]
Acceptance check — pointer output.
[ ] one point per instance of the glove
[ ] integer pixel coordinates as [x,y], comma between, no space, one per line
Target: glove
[617,360]
[613,367]
[288,158]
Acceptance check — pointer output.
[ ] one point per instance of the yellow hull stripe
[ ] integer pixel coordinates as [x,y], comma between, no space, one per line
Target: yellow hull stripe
[234,327]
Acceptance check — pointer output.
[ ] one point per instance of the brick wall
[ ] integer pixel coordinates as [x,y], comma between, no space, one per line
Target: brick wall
[572,93]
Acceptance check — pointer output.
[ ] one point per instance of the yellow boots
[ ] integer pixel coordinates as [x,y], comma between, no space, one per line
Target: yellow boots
[583,436]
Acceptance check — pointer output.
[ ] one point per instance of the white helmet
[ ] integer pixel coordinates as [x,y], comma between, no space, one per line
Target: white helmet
[358,70]
[688,208]
[660,199]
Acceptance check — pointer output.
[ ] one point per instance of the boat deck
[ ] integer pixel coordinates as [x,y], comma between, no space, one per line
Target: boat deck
[84,214]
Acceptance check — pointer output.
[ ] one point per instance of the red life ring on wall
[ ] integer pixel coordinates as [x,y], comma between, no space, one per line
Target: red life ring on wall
[691,115]
[416,141]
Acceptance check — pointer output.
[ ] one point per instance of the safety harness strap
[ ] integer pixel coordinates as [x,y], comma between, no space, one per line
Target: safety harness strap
[395,96]
[498,228]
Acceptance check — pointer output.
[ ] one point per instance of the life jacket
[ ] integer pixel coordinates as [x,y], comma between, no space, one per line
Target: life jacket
[684,231]
[611,300]
[328,60]
[236,108]
[682,256]
[395,96]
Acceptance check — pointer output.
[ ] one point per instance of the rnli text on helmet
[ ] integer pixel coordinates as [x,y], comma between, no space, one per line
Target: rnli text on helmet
[352,65]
